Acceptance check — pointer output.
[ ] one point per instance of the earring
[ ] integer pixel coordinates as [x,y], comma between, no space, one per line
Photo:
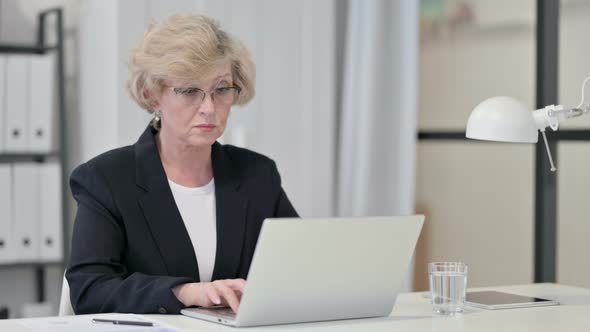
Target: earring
[157,120]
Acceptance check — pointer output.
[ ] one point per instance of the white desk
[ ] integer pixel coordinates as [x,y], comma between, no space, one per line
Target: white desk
[413,312]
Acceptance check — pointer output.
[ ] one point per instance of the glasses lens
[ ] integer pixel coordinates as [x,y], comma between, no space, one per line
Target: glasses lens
[191,96]
[225,95]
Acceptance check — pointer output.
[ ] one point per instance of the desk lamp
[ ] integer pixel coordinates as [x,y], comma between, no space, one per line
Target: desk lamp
[505,119]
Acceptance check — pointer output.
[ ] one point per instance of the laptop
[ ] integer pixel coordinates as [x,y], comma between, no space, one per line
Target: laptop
[309,270]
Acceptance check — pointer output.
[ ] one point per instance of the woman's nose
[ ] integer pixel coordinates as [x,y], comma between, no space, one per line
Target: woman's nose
[207,106]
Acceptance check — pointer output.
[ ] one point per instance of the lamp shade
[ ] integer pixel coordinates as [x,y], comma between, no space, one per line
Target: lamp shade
[502,119]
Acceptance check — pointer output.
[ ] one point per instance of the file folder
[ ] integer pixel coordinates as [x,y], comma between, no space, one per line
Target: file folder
[42,115]
[16,103]
[26,211]
[6,245]
[50,208]
[2,104]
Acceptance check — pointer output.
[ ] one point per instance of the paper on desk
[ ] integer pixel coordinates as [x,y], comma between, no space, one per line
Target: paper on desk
[84,323]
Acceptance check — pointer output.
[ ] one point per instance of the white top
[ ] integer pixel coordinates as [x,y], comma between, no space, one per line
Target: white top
[197,208]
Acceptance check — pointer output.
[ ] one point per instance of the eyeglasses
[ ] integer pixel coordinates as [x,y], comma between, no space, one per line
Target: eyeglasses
[221,96]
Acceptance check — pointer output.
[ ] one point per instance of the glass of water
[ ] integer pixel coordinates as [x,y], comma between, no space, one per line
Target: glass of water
[448,281]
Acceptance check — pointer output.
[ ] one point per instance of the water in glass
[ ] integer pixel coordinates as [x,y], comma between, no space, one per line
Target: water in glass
[447,289]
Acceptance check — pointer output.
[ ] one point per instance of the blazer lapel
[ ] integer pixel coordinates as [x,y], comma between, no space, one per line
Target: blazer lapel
[231,215]
[160,210]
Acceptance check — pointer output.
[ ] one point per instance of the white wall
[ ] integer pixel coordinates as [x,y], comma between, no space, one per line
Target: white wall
[458,71]
[492,217]
[573,157]
[478,197]
[471,64]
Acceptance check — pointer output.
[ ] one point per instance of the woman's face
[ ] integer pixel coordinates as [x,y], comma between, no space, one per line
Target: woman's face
[189,119]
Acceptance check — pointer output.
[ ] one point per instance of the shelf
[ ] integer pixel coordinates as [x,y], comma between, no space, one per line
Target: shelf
[25,49]
[41,46]
[570,135]
[445,135]
[561,135]
[30,264]
[24,157]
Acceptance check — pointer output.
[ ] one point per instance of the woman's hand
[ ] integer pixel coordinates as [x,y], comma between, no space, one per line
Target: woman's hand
[227,292]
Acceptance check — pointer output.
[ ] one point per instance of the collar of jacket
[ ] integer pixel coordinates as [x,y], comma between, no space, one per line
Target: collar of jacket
[150,171]
[165,221]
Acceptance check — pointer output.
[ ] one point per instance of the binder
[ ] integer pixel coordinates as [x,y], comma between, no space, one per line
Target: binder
[26,211]
[50,212]
[6,245]
[16,103]
[2,104]
[42,98]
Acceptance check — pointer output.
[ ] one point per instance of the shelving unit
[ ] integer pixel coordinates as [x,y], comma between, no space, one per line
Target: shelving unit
[41,47]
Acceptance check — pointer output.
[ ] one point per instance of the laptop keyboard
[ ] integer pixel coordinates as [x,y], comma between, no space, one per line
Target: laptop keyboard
[226,313]
[220,312]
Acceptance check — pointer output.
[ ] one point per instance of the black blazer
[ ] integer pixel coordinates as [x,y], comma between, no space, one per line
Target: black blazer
[130,246]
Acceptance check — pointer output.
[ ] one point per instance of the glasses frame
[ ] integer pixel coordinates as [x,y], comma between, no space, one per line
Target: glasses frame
[211,92]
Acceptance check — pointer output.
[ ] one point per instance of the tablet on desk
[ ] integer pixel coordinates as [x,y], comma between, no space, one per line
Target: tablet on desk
[499,300]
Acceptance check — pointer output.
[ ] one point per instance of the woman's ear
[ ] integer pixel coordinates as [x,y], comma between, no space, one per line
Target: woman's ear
[148,95]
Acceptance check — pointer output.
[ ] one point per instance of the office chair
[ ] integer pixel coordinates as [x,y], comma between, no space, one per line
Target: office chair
[65,306]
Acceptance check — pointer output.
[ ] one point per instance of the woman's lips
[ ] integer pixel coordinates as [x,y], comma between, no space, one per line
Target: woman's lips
[206,127]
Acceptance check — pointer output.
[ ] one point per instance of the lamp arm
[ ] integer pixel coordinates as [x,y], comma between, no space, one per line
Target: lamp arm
[569,113]
[551,116]
[553,168]
[583,90]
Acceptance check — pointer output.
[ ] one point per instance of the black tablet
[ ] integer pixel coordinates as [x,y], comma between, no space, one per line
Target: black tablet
[499,300]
